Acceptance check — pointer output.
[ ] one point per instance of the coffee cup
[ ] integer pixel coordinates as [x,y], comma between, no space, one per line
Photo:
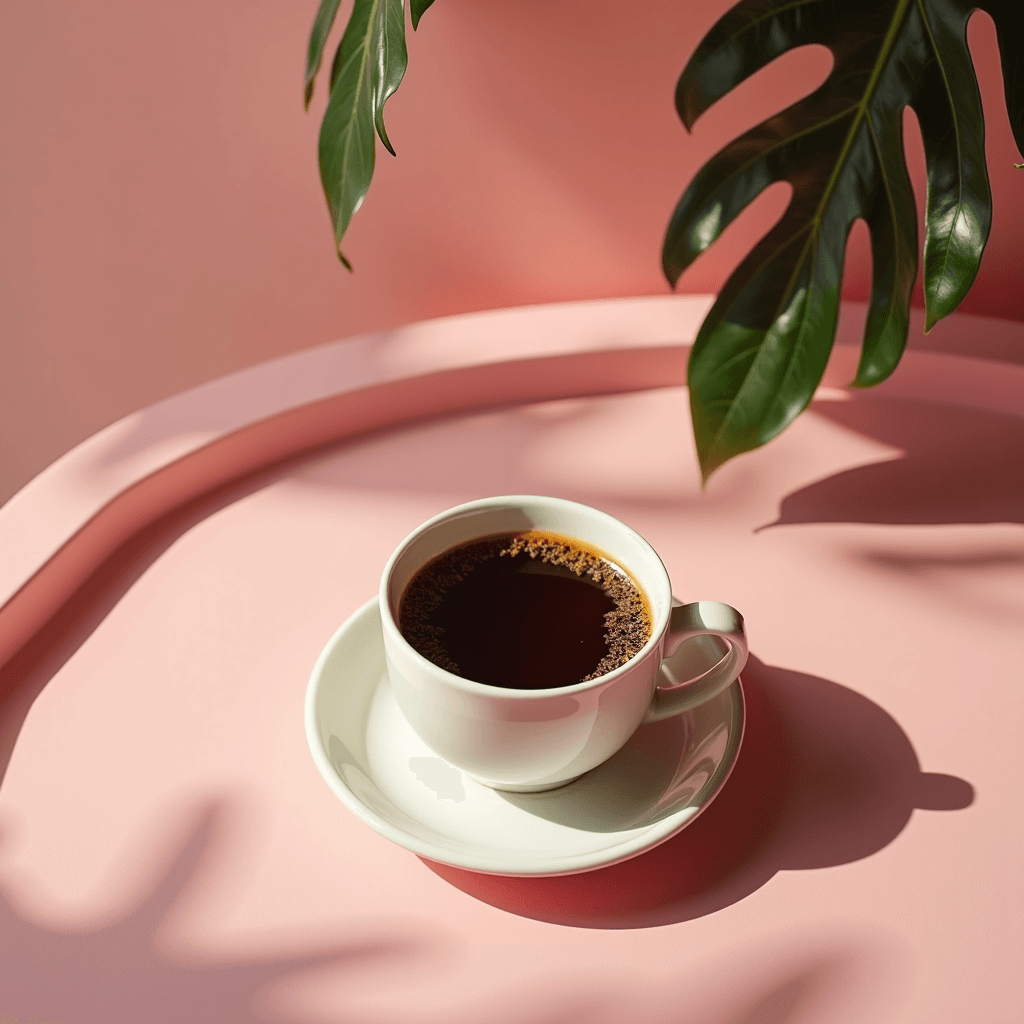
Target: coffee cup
[529,740]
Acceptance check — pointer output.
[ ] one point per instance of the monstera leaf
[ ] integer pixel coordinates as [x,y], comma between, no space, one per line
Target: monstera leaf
[762,350]
[368,67]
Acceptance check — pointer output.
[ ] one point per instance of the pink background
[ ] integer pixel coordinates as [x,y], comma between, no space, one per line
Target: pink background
[167,850]
[162,216]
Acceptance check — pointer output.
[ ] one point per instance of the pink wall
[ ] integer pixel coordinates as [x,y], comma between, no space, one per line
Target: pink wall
[163,224]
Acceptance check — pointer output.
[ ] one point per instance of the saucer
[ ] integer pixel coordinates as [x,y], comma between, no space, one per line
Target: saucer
[664,776]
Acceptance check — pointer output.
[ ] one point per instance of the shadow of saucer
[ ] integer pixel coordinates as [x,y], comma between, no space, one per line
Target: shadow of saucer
[825,777]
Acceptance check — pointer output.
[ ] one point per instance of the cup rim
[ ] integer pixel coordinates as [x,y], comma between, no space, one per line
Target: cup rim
[390,626]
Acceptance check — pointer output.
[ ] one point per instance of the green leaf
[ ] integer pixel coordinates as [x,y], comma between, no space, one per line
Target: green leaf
[322,26]
[368,67]
[416,9]
[762,350]
[390,59]
[1009,18]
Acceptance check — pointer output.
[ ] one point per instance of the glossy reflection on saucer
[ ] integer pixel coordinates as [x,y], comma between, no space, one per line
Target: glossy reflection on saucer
[664,776]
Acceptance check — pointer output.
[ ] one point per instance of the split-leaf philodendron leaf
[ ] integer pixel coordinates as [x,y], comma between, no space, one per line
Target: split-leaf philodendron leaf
[368,67]
[762,350]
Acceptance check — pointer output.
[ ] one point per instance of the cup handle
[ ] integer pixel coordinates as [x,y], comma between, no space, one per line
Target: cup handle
[702,618]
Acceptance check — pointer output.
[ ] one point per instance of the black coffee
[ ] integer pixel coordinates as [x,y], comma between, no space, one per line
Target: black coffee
[527,611]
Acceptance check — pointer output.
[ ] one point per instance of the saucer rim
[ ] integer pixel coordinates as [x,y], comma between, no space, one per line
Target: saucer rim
[649,837]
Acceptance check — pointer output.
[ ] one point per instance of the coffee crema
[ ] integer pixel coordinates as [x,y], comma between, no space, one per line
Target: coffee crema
[525,611]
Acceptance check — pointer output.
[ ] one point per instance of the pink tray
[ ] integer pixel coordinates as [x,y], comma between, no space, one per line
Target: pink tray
[170,853]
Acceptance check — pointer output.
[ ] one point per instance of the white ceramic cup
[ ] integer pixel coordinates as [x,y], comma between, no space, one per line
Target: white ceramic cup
[532,740]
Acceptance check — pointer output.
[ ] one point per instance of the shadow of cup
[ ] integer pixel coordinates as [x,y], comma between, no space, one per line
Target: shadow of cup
[825,777]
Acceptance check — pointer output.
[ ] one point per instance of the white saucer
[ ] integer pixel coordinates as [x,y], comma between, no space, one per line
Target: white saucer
[379,768]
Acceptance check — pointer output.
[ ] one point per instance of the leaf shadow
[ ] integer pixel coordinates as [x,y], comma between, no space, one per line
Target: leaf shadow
[787,1000]
[115,972]
[961,465]
[824,777]
[980,583]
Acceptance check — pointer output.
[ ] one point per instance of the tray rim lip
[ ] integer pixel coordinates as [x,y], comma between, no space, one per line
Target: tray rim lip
[349,379]
[335,369]
[651,836]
